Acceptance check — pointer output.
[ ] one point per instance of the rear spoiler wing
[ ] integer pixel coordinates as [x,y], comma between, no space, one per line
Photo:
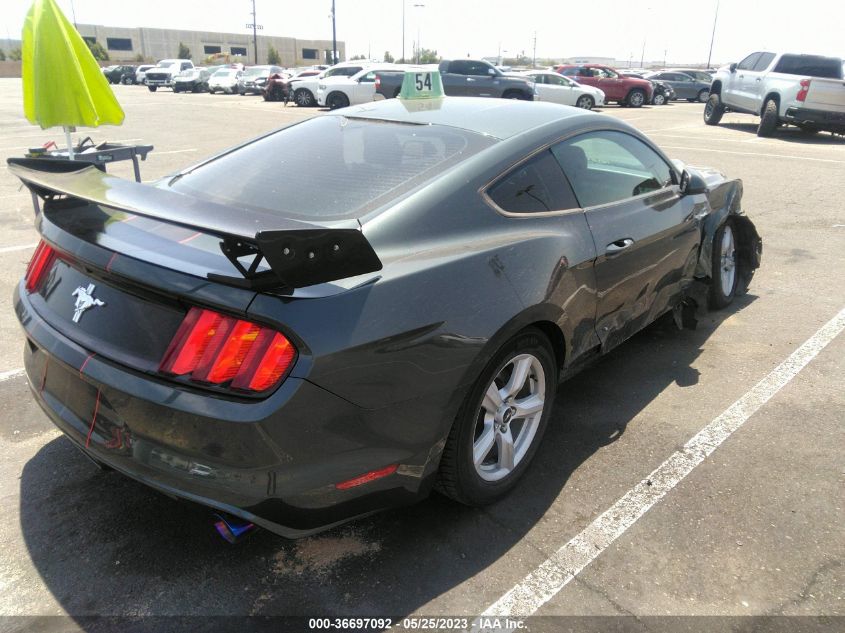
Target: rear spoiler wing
[298,253]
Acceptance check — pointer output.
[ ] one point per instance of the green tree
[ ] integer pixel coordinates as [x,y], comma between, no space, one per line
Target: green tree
[2,55]
[97,50]
[354,57]
[15,54]
[388,57]
[184,52]
[139,58]
[273,57]
[428,56]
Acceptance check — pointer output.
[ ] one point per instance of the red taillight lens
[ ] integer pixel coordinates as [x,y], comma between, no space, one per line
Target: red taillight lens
[802,92]
[210,347]
[40,263]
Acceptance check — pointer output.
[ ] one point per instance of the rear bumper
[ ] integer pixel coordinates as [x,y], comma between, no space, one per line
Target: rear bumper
[274,462]
[821,119]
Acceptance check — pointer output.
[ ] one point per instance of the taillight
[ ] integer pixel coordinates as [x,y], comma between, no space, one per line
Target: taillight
[40,263]
[378,82]
[216,349]
[802,92]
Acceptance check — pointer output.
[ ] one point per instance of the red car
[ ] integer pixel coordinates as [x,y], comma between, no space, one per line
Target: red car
[624,90]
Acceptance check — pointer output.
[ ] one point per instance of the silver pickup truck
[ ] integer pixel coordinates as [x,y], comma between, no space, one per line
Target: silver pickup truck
[803,90]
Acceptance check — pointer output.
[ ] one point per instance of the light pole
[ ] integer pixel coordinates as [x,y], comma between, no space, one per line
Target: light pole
[713,36]
[334,37]
[403,33]
[418,6]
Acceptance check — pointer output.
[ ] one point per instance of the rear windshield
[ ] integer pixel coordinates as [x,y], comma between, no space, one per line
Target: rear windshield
[810,65]
[330,167]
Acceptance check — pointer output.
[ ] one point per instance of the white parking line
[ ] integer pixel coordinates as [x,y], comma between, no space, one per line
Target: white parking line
[12,373]
[175,151]
[22,247]
[726,151]
[542,584]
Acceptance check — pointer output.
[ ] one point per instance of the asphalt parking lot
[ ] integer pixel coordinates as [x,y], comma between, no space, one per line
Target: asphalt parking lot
[754,528]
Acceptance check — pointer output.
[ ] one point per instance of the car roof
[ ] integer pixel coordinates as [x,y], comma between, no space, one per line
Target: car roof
[499,118]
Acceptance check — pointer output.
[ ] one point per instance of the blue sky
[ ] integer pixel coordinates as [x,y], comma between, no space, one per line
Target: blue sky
[457,28]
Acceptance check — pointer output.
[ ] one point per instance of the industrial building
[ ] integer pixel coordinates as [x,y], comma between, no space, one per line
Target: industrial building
[131,44]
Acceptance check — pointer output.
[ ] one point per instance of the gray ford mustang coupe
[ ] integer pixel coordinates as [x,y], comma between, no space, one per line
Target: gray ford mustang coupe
[343,314]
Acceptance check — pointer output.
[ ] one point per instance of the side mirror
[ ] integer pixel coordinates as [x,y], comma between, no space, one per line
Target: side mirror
[491,72]
[692,183]
[733,67]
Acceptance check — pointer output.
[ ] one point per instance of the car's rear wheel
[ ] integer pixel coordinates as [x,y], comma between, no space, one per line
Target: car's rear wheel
[514,94]
[769,119]
[303,98]
[713,110]
[703,95]
[337,100]
[724,269]
[658,99]
[126,81]
[586,102]
[501,422]
[636,98]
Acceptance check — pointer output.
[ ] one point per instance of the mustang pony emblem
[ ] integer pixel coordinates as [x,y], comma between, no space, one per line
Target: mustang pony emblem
[84,300]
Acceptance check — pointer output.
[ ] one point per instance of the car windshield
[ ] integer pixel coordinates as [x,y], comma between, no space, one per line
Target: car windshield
[330,167]
[225,72]
[256,72]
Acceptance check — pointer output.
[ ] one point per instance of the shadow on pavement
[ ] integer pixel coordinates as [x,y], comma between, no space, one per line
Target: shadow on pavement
[790,134]
[106,545]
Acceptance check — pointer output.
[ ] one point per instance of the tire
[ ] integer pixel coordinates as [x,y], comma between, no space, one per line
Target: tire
[586,102]
[703,95]
[808,130]
[713,110]
[152,88]
[473,468]
[337,100]
[126,81]
[397,92]
[724,271]
[303,98]
[636,98]
[769,119]
[658,99]
[513,94]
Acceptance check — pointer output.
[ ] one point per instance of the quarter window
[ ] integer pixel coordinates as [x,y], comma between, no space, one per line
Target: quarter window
[535,186]
[609,166]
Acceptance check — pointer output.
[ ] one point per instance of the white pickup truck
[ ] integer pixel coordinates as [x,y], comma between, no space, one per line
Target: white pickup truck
[803,90]
[165,72]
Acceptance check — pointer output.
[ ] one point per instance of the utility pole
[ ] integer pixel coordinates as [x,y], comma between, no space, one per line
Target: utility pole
[403,32]
[713,36]
[254,33]
[534,61]
[334,36]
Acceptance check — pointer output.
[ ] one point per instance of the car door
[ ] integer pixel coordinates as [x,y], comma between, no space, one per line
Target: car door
[364,89]
[735,91]
[610,83]
[681,84]
[455,81]
[754,80]
[646,233]
[560,89]
[481,80]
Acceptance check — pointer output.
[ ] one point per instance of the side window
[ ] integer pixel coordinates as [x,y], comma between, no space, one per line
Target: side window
[764,61]
[556,80]
[186,65]
[475,68]
[459,67]
[608,166]
[535,186]
[571,72]
[368,78]
[748,62]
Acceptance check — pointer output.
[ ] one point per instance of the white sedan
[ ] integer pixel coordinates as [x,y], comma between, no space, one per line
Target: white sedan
[339,92]
[224,80]
[553,87]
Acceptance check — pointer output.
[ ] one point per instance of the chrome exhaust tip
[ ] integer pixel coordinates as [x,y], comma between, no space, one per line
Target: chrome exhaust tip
[232,529]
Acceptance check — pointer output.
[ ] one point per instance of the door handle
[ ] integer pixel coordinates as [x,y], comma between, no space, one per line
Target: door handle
[619,246]
[470,79]
[759,78]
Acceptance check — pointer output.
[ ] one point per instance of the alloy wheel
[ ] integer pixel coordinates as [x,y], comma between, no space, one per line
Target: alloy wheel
[727,257]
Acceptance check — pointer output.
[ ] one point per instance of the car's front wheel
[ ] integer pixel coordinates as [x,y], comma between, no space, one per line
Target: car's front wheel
[303,98]
[586,102]
[501,422]
[658,99]
[152,88]
[713,110]
[724,269]
[636,98]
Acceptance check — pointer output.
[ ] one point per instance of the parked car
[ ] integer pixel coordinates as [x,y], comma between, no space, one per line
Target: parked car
[663,92]
[341,91]
[684,86]
[802,90]
[192,80]
[616,87]
[397,320]
[254,78]
[304,87]
[141,74]
[224,80]
[705,76]
[162,75]
[466,78]
[115,74]
[554,87]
